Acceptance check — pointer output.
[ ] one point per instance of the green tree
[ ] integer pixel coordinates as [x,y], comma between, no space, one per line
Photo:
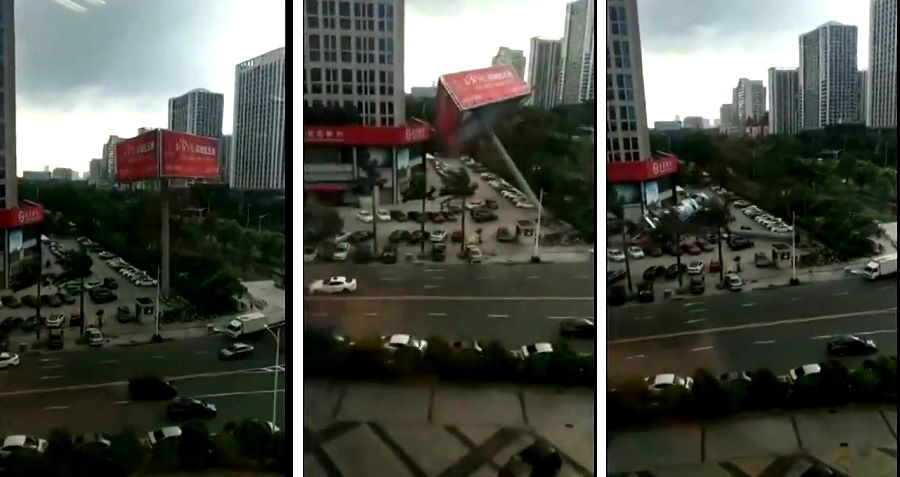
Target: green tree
[459,185]
[195,446]
[673,229]
[60,452]
[715,214]
[255,440]
[27,463]
[228,233]
[76,264]
[368,181]
[125,453]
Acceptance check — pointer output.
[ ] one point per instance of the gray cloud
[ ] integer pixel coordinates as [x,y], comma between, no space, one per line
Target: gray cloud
[118,48]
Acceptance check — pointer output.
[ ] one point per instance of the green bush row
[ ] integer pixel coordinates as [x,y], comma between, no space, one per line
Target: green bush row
[630,401]
[369,359]
[247,445]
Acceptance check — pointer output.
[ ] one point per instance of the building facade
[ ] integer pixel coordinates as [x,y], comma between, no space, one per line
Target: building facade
[226,143]
[259,124]
[36,175]
[514,58]
[588,56]
[423,92]
[108,174]
[95,171]
[828,76]
[784,100]
[543,72]
[882,77]
[353,56]
[63,174]
[197,112]
[749,99]
[667,125]
[574,52]
[862,84]
[638,178]
[693,122]
[727,118]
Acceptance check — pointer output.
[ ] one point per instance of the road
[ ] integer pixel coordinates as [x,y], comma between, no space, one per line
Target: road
[562,279]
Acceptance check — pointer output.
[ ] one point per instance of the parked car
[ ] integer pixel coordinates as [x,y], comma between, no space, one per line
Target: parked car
[491,204]
[735,377]
[56,320]
[383,215]
[403,341]
[110,283]
[662,381]
[30,301]
[698,284]
[761,260]
[10,301]
[91,284]
[635,252]
[532,350]
[190,408]
[398,236]
[75,319]
[164,433]
[93,336]
[416,216]
[456,236]
[8,359]
[850,345]
[439,251]
[739,243]
[577,328]
[645,292]
[613,276]
[473,254]
[389,255]
[51,300]
[696,267]
[615,255]
[360,236]
[336,284]
[505,235]
[28,324]
[652,272]
[733,282]
[690,248]
[151,388]
[715,266]
[341,251]
[102,295]
[14,443]
[805,370]
[653,251]
[705,245]
[483,215]
[416,236]
[364,216]
[438,235]
[673,270]
[537,460]
[235,351]
[398,215]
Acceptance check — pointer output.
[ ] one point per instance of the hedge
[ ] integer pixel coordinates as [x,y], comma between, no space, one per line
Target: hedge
[630,402]
[368,359]
[247,445]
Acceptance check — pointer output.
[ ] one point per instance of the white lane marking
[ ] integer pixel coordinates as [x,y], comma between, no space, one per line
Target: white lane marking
[432,277]
[876,332]
[697,310]
[821,337]
[745,305]
[702,348]
[697,320]
[693,303]
[158,356]
[451,298]
[764,342]
[239,393]
[121,402]
[431,286]
[52,367]
[497,316]
[55,408]
[560,317]
[753,325]
[842,293]
[389,279]
[371,314]
[483,278]
[433,270]
[114,361]
[318,314]
[437,314]
[47,360]
[636,356]
[532,277]
[50,377]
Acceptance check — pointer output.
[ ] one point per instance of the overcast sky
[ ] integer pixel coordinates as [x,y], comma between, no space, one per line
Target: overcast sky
[694,51]
[86,69]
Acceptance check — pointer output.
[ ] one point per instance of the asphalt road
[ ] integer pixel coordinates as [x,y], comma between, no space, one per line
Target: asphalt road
[107,408]
[560,280]
[513,321]
[707,312]
[104,365]
[778,347]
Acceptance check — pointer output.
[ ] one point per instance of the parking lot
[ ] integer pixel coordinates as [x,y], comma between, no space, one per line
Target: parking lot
[519,248]
[126,294]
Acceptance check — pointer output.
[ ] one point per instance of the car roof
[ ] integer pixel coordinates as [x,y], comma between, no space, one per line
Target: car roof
[664,379]
[400,339]
[17,440]
[338,277]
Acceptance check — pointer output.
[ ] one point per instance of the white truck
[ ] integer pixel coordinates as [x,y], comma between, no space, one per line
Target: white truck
[881,266]
[251,323]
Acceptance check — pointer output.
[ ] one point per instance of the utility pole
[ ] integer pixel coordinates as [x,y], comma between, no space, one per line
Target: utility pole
[537,231]
[627,262]
[277,335]
[793,248]
[259,224]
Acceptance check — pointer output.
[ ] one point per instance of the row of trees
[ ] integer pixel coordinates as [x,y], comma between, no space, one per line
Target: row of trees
[248,445]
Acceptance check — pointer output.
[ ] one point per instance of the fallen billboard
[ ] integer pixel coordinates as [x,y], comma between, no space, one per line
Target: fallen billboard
[189,156]
[137,159]
[645,170]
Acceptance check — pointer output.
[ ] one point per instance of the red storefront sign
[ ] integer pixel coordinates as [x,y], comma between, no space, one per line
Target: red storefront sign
[189,156]
[475,88]
[367,135]
[136,158]
[641,170]
[21,216]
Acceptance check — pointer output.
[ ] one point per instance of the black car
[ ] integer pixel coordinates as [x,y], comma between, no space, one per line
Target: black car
[653,251]
[616,296]
[110,283]
[651,273]
[55,338]
[578,328]
[102,295]
[66,297]
[417,236]
[467,346]
[439,251]
[28,324]
[614,276]
[645,292]
[360,236]
[670,249]
[491,204]
[698,284]
[389,254]
[398,215]
[190,408]
[93,439]
[740,243]
[10,301]
[537,460]
[398,236]
[416,216]
[30,301]
[673,270]
[150,388]
[483,215]
[851,346]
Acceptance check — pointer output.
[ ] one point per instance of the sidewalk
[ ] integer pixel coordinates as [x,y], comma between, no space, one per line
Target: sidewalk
[857,441]
[129,334]
[363,428]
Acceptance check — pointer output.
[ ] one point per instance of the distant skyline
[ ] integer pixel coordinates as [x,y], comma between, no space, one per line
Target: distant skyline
[695,51]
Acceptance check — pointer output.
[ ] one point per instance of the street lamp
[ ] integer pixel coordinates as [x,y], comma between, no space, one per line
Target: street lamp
[259,224]
[277,335]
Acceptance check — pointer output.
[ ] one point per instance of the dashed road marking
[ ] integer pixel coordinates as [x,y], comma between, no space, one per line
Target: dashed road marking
[371,314]
[431,286]
[239,393]
[55,408]
[432,277]
[158,356]
[702,348]
[497,316]
[764,342]
[841,293]
[433,270]
[697,310]
[821,337]
[483,278]
[121,402]
[52,367]
[437,314]
[876,332]
[50,377]
[560,317]
[693,303]
[636,356]
[47,360]
[889,287]
[796,298]
[532,277]
[390,279]
[641,318]
[696,320]
[745,305]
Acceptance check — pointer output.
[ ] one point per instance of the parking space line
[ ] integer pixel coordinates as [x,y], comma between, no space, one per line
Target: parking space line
[745,305]
[121,402]
[47,360]
[497,316]
[821,337]
[389,279]
[432,277]
[430,286]
[50,377]
[52,367]
[842,293]
[697,310]
[636,356]
[764,342]
[693,303]
[371,314]
[703,348]
[437,314]
[158,356]
[698,320]
[113,361]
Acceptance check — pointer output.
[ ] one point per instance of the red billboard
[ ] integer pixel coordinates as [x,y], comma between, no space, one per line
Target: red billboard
[367,135]
[21,216]
[475,88]
[637,171]
[136,158]
[189,156]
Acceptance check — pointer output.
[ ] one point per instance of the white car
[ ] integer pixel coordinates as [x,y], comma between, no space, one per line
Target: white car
[532,349]
[342,237]
[396,342]
[170,432]
[341,252]
[55,320]
[615,255]
[93,284]
[383,215]
[733,282]
[365,216]
[94,336]
[333,285]
[524,204]
[805,370]
[106,255]
[438,235]
[8,359]
[635,252]
[696,267]
[474,253]
[662,381]
[146,282]
[14,443]
[474,204]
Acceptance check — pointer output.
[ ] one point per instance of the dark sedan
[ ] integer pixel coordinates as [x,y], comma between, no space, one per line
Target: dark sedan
[614,276]
[673,270]
[190,408]
[651,273]
[851,346]
[578,328]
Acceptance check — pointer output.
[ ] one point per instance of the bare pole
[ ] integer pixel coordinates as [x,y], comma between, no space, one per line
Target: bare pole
[537,231]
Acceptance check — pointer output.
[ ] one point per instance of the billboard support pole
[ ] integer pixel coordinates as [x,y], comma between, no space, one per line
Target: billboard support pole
[511,167]
[164,238]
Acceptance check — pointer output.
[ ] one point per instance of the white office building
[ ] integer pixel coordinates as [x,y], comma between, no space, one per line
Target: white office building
[543,72]
[881,92]
[749,99]
[577,56]
[626,111]
[8,181]
[828,76]
[693,122]
[862,82]
[514,58]
[197,112]
[258,154]
[784,101]
[353,56]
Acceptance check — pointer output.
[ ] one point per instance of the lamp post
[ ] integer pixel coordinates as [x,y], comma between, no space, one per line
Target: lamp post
[277,335]
[537,230]
[794,280]
[259,222]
